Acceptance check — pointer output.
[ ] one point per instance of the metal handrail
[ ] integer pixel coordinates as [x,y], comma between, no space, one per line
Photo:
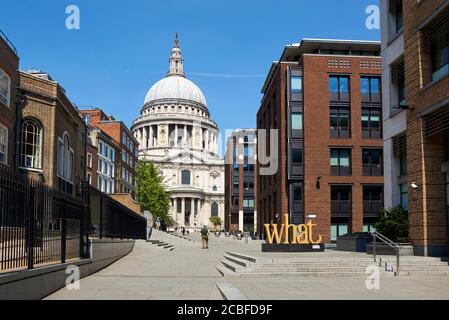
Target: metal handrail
[390,243]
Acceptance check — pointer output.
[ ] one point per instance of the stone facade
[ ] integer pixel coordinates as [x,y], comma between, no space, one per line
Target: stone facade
[175,131]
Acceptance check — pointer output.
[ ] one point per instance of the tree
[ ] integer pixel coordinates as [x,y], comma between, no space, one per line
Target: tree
[151,192]
[216,221]
[393,223]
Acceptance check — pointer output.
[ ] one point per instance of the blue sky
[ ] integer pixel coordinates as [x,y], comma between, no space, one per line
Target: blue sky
[123,47]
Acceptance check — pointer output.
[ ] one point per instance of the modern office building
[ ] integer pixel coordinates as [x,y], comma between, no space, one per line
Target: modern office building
[426,60]
[324,99]
[176,132]
[240,182]
[9,76]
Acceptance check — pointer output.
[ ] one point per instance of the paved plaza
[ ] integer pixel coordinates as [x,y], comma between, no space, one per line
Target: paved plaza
[189,273]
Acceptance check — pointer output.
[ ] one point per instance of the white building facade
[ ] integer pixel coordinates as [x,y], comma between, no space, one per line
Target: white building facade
[395,106]
[175,131]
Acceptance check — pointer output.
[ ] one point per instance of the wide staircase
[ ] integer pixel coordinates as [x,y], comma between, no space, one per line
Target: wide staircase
[328,264]
[169,241]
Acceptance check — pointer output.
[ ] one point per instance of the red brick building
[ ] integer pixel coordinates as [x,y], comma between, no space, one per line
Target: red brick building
[127,158]
[426,57]
[240,182]
[9,66]
[324,98]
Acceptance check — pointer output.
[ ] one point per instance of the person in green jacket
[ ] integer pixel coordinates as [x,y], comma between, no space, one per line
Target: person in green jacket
[205,237]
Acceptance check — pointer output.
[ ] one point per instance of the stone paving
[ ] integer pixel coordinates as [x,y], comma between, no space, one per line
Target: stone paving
[189,273]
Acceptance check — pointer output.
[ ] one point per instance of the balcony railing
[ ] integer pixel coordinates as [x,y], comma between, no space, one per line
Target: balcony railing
[373,170]
[341,208]
[371,209]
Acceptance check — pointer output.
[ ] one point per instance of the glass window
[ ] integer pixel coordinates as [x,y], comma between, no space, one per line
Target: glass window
[185,177]
[440,56]
[296,84]
[5,88]
[340,158]
[344,85]
[404,196]
[297,194]
[297,121]
[3,144]
[333,84]
[31,145]
[399,16]
[297,156]
[372,162]
[214,209]
[364,85]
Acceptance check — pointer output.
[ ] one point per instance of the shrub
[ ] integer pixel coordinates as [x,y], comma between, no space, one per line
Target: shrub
[393,223]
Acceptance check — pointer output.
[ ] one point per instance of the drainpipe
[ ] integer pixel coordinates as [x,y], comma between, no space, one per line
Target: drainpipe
[16,138]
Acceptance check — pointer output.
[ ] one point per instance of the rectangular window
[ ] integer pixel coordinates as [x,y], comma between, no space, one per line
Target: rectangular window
[341,201]
[3,144]
[340,162]
[248,203]
[296,84]
[435,48]
[236,183]
[371,123]
[338,230]
[372,201]
[339,88]
[101,148]
[440,56]
[372,160]
[87,118]
[339,122]
[5,88]
[404,196]
[297,121]
[399,16]
[89,161]
[370,89]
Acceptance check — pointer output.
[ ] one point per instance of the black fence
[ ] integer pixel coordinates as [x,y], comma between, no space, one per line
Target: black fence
[111,219]
[39,225]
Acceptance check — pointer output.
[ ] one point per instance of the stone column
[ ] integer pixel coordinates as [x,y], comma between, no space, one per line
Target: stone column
[150,144]
[183,212]
[185,135]
[240,220]
[192,214]
[207,140]
[175,208]
[176,135]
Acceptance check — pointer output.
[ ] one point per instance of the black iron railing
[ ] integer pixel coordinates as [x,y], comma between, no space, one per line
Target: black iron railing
[39,225]
[111,219]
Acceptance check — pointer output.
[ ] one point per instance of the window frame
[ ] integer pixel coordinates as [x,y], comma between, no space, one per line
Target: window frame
[6,100]
[37,145]
[341,170]
[4,140]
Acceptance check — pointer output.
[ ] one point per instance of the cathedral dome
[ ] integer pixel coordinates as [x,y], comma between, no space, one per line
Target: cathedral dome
[176,87]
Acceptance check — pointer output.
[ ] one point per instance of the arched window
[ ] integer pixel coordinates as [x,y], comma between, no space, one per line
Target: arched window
[65,158]
[214,188]
[214,209]
[31,153]
[185,177]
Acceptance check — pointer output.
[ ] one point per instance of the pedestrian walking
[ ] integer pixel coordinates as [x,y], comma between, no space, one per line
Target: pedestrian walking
[205,237]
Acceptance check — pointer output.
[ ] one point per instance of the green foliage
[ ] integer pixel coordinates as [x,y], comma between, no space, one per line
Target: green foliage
[151,192]
[216,221]
[393,223]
